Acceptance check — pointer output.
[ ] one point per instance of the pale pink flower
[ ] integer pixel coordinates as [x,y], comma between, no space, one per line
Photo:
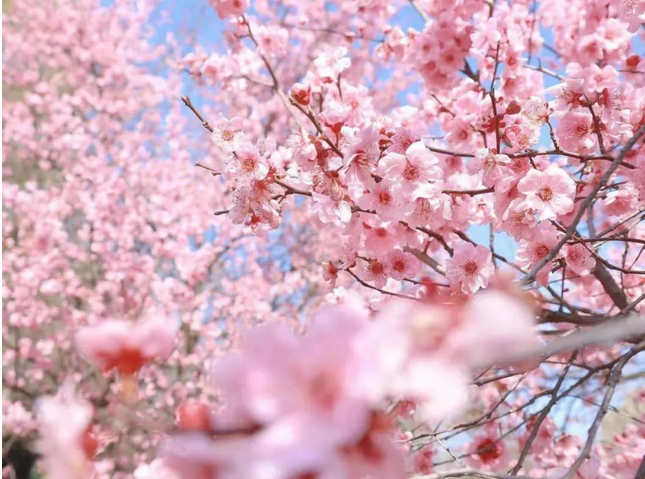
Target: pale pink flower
[348,252]
[330,272]
[380,239]
[518,221]
[330,210]
[575,133]
[579,259]
[543,440]
[402,139]
[331,63]
[362,155]
[621,200]
[246,162]
[402,265]
[383,200]
[470,268]
[125,346]
[536,111]
[488,451]
[430,207]
[227,134]
[491,166]
[531,250]
[423,460]
[375,270]
[229,8]
[521,137]
[549,193]
[632,12]
[417,166]
[67,444]
[487,337]
[272,41]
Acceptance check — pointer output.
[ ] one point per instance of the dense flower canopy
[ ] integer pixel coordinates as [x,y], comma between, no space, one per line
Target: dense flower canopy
[426,257]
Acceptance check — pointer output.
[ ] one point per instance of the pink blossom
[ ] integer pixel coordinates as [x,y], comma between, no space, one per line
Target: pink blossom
[423,460]
[417,166]
[579,259]
[549,193]
[575,133]
[331,63]
[301,93]
[125,346]
[486,337]
[488,451]
[533,249]
[380,239]
[272,41]
[470,268]
[227,134]
[376,271]
[490,164]
[402,265]
[382,199]
[229,8]
[536,111]
[246,162]
[430,208]
[66,443]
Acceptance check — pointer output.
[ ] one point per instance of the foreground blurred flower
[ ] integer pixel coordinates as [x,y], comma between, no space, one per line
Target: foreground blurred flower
[66,443]
[336,380]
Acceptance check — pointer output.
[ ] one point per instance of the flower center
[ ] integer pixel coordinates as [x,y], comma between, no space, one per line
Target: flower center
[488,450]
[248,164]
[581,129]
[546,194]
[470,267]
[227,135]
[376,268]
[410,172]
[542,250]
[384,198]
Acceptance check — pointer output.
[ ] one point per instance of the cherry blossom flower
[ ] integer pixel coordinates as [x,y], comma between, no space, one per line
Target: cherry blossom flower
[229,8]
[536,111]
[416,167]
[246,162]
[490,164]
[332,63]
[66,443]
[227,134]
[125,346]
[301,93]
[470,268]
[549,193]
[272,41]
[579,259]
[430,208]
[376,271]
[402,265]
[383,200]
[530,251]
[575,133]
[423,459]
[488,451]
